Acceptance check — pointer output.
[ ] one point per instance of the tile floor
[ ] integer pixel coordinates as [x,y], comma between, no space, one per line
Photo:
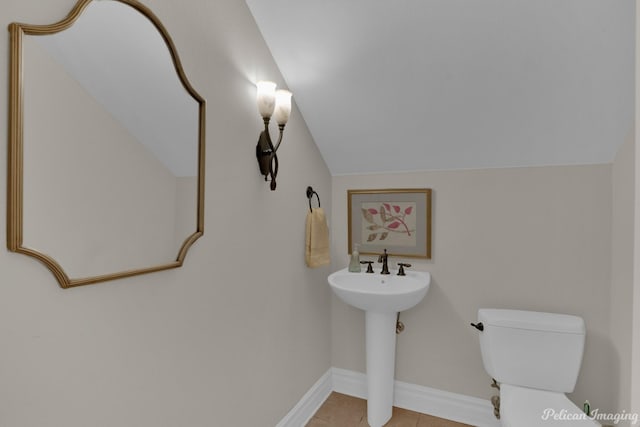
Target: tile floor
[340,410]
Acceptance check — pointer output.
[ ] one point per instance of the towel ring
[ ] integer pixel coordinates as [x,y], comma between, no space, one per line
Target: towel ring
[310,194]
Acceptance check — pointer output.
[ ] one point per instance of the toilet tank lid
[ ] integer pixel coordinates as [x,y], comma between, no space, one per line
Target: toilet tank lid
[532,320]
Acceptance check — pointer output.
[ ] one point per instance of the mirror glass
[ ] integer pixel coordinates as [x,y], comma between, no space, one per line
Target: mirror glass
[112,143]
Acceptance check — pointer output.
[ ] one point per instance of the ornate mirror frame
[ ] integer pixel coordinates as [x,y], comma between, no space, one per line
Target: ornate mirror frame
[15,144]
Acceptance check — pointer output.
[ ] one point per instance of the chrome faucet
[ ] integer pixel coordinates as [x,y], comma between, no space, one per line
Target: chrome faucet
[383,258]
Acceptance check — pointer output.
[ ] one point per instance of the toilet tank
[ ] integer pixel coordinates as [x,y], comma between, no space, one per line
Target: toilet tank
[532,349]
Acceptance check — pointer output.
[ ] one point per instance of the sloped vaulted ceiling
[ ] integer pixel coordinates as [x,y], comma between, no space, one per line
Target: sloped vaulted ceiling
[446,84]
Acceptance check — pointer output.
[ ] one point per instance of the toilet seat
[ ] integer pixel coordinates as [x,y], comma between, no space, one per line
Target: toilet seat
[527,407]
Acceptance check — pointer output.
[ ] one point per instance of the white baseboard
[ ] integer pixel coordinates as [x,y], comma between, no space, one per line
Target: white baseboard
[426,400]
[444,404]
[309,404]
[348,382]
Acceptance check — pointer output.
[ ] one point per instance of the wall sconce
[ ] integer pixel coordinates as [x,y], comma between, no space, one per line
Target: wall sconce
[278,104]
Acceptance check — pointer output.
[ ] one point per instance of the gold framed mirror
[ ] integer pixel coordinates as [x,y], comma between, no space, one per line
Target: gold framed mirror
[106,145]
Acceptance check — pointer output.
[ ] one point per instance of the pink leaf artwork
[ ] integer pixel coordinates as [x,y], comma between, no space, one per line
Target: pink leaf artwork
[367,216]
[391,222]
[383,214]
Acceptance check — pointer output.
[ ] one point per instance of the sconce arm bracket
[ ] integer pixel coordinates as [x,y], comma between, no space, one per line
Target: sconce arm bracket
[266,153]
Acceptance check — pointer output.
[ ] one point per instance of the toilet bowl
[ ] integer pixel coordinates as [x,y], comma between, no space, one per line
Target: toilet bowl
[536,358]
[529,407]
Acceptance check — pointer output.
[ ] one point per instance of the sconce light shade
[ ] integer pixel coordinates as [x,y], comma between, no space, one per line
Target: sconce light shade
[283,107]
[266,98]
[270,103]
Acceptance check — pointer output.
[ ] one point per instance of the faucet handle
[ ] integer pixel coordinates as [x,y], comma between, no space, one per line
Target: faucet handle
[369,267]
[401,269]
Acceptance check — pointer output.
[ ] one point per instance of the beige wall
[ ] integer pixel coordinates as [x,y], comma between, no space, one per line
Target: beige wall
[623,177]
[244,324]
[524,238]
[635,345]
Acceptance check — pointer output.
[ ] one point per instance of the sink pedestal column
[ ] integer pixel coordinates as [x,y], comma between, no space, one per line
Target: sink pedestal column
[381,355]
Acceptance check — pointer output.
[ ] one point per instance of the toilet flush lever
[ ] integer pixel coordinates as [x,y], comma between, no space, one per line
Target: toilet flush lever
[479,326]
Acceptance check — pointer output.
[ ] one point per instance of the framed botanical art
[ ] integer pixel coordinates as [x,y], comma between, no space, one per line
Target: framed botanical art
[398,220]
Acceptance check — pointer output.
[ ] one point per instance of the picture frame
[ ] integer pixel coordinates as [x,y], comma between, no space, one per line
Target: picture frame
[398,220]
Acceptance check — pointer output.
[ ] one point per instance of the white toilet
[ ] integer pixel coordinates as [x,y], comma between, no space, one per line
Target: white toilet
[535,357]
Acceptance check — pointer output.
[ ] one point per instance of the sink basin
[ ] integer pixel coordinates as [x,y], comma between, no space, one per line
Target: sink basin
[378,292]
[381,297]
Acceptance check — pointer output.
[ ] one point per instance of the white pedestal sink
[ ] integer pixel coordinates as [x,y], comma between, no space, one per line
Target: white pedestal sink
[381,297]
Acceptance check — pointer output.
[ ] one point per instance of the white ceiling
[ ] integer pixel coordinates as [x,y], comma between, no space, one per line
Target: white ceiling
[447,84]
